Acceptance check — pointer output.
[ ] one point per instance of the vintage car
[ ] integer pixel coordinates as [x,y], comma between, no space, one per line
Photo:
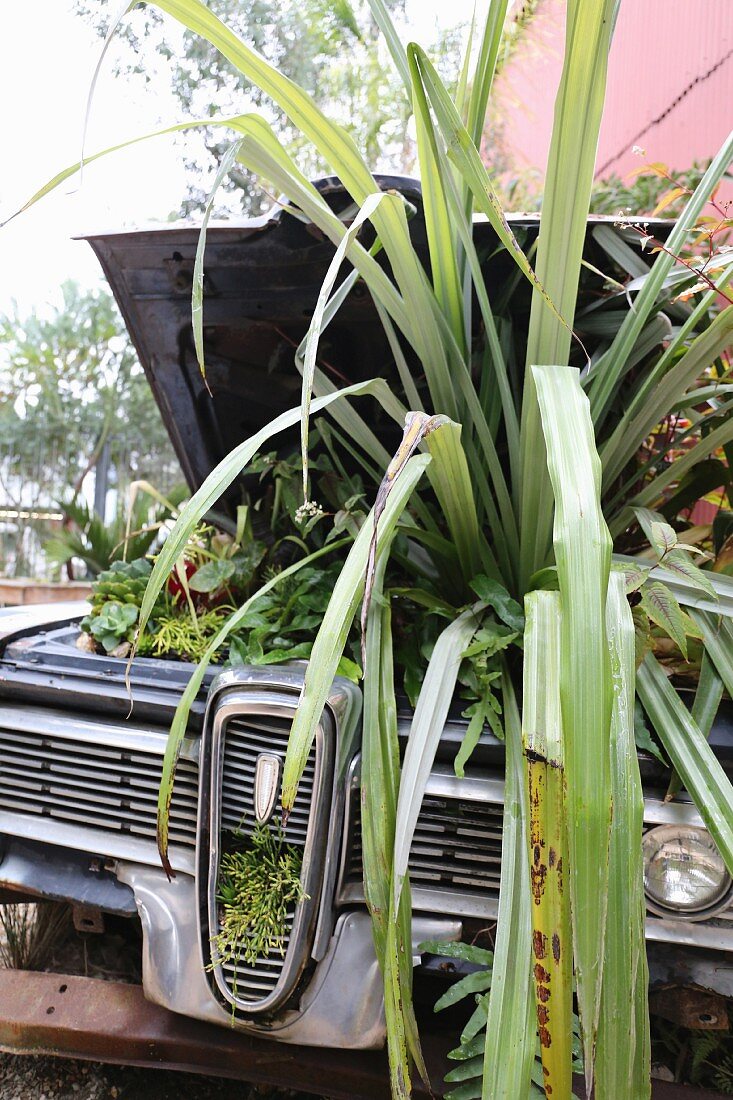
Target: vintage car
[79,771]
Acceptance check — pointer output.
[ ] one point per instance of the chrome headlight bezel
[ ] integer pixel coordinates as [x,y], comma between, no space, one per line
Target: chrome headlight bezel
[697,841]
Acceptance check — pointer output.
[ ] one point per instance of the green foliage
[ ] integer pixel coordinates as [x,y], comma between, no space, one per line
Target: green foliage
[86,537]
[220,569]
[117,594]
[181,636]
[702,1058]
[258,887]
[281,626]
[599,361]
[124,581]
[641,194]
[654,601]
[479,676]
[71,388]
[469,1054]
[212,575]
[113,624]
[70,378]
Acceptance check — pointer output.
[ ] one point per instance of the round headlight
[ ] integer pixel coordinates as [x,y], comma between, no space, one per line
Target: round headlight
[684,873]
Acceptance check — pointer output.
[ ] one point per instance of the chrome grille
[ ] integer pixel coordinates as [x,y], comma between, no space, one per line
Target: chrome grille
[250,713]
[244,740]
[457,847]
[255,983]
[109,788]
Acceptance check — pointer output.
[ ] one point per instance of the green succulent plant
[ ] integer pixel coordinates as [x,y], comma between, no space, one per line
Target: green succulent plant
[114,624]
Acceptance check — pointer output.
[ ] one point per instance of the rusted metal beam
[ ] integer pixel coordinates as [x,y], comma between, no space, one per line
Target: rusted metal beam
[76,1017]
[692,1008]
[112,1022]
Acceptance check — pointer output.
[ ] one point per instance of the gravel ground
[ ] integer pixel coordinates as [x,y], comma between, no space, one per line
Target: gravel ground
[28,1078]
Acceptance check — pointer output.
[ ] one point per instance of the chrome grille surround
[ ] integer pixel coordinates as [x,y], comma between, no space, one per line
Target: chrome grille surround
[455,856]
[250,711]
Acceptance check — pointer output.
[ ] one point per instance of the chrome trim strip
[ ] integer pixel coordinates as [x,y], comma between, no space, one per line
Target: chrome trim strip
[686,934]
[44,616]
[443,783]
[657,812]
[71,727]
[98,842]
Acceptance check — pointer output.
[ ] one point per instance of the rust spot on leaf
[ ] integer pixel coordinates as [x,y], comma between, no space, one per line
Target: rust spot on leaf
[539,945]
[541,975]
[535,757]
[556,947]
[545,1040]
[543,994]
[537,875]
[553,857]
[543,1015]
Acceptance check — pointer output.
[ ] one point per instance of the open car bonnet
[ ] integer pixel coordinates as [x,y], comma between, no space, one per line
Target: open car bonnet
[262,278]
[261,281]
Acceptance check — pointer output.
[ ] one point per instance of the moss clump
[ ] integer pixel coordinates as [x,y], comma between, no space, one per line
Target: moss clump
[179,635]
[258,885]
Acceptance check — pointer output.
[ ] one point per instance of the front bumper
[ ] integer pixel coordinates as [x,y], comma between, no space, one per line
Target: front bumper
[342,1006]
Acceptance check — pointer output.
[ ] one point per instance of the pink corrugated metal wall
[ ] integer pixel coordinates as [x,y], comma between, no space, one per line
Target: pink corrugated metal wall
[670,84]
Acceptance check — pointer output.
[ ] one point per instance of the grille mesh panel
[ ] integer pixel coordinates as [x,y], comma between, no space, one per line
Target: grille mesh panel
[244,739]
[103,787]
[457,846]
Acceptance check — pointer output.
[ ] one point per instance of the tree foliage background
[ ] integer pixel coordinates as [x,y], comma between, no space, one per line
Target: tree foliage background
[331,48]
[70,382]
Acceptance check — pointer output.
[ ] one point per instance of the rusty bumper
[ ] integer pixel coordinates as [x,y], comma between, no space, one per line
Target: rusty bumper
[111,1022]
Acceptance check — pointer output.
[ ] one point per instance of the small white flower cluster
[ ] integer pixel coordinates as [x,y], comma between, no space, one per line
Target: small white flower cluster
[638,151]
[308,510]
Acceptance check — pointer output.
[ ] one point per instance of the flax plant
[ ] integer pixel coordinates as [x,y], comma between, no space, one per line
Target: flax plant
[527,442]
[542,736]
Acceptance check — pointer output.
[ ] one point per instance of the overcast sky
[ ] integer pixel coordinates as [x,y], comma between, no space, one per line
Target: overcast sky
[47,56]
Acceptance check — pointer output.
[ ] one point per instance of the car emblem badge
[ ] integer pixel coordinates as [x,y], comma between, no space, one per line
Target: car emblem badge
[267,785]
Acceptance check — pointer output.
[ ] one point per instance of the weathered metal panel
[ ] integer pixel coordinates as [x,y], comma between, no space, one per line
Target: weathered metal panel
[111,1022]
